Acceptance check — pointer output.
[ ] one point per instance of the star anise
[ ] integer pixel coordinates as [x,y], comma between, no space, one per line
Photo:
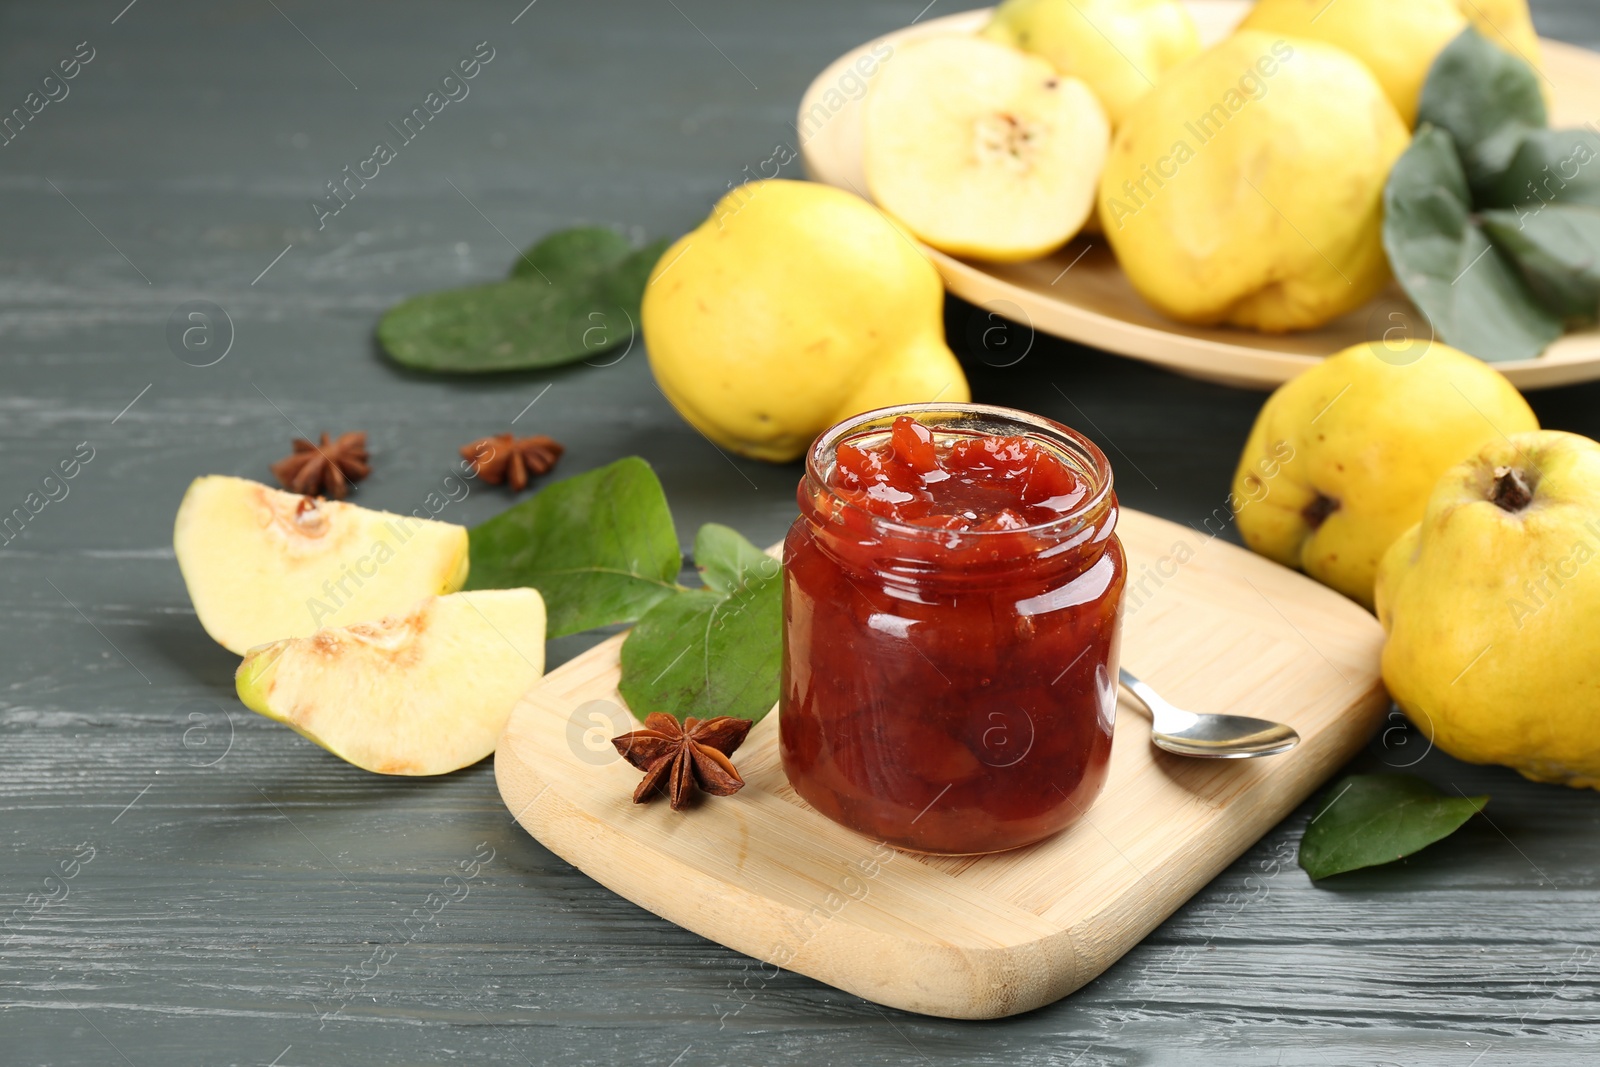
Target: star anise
[678,759]
[325,469]
[506,458]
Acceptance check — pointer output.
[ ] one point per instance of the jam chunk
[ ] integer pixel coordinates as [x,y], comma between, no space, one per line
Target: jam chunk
[973,483]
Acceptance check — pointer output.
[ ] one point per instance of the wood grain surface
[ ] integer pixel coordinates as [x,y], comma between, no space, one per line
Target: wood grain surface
[250,899]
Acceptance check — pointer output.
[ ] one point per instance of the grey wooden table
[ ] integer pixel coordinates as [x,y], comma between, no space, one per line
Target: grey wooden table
[238,896]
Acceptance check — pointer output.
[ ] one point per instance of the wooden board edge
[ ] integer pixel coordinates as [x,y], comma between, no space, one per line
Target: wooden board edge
[1193,868]
[962,982]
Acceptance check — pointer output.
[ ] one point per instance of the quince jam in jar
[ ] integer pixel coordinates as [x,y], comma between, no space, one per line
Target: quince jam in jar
[951,607]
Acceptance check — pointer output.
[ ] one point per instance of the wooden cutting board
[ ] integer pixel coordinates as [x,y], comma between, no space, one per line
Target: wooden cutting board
[1211,626]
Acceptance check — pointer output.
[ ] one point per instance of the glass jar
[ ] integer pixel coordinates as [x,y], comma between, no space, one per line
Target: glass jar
[943,691]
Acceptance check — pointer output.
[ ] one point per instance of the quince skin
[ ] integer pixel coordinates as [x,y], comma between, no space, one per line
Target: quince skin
[1120,47]
[1341,458]
[1398,40]
[1247,186]
[1492,606]
[795,305]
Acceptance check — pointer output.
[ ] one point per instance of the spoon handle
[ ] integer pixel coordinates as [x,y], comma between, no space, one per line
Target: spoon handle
[1146,696]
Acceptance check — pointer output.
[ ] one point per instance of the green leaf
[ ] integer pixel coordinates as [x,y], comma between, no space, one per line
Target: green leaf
[1557,248]
[712,651]
[1486,98]
[1550,166]
[503,326]
[727,561]
[574,253]
[1470,291]
[1369,819]
[573,295]
[600,547]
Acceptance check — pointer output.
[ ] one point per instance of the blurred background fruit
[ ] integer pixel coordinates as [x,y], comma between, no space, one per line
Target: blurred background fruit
[1246,187]
[1119,47]
[1396,39]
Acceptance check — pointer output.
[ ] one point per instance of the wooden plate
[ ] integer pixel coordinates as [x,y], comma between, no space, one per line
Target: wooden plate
[1211,626]
[1092,302]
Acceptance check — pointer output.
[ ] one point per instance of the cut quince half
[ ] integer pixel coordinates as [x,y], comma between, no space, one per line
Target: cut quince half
[981,150]
[262,564]
[425,691]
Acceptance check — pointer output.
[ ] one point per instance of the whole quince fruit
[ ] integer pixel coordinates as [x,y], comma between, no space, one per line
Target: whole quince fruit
[792,307]
[1120,47]
[1247,186]
[1492,606]
[1398,40]
[1341,459]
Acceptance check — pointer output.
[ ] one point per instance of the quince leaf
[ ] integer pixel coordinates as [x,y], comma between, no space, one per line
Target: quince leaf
[1557,249]
[503,326]
[600,547]
[573,295]
[1486,98]
[1470,290]
[712,651]
[1370,819]
[582,250]
[1549,167]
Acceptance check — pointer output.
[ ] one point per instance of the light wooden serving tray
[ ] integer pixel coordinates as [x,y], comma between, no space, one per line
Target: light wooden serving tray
[1093,303]
[1211,626]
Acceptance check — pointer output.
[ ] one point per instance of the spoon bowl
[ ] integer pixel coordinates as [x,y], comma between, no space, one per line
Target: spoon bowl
[1188,733]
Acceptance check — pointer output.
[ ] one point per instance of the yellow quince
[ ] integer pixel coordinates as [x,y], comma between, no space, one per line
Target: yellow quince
[1397,39]
[1247,186]
[1492,606]
[1120,47]
[793,306]
[1341,459]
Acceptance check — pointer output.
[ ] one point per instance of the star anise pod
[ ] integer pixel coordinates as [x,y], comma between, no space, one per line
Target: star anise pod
[680,759]
[325,469]
[506,458]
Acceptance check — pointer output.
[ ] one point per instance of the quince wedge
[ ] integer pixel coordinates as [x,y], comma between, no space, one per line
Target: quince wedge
[1119,47]
[793,306]
[1492,608]
[981,150]
[1341,458]
[262,564]
[1247,187]
[426,690]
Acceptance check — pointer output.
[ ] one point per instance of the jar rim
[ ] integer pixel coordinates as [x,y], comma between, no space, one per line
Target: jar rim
[1092,462]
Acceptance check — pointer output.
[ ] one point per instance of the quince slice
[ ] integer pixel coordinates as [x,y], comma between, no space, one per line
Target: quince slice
[426,691]
[982,150]
[262,564]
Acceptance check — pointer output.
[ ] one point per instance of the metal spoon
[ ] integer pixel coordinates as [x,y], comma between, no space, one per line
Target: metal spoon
[1188,733]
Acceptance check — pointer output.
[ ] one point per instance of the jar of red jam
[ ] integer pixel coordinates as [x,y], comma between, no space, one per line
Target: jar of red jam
[951,608]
